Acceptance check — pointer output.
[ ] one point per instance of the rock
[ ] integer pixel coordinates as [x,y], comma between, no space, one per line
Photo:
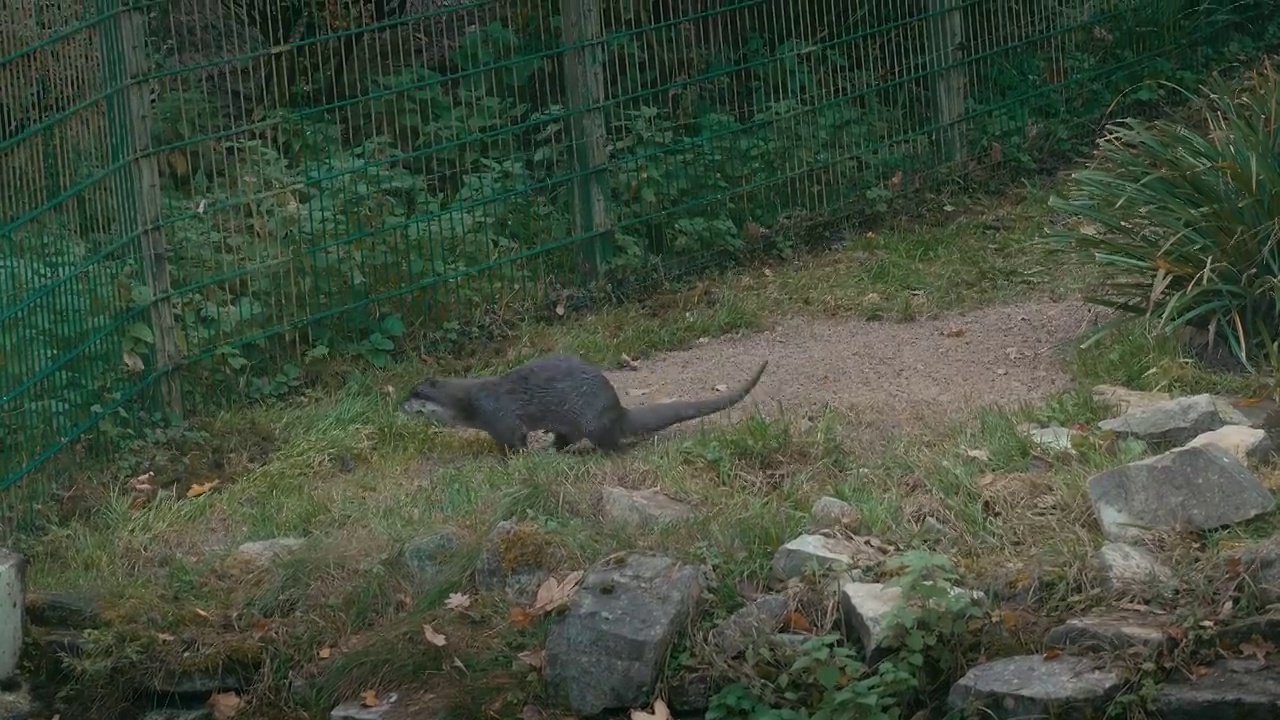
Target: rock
[1131,570]
[171,714]
[516,560]
[198,685]
[1055,438]
[1112,631]
[263,552]
[795,558]
[641,507]
[73,611]
[1197,488]
[1249,412]
[865,608]
[1225,692]
[1026,686]
[762,617]
[1125,400]
[1255,630]
[607,652]
[830,513]
[1244,442]
[13,571]
[690,694]
[1173,422]
[427,557]
[356,710]
[1260,563]
[17,704]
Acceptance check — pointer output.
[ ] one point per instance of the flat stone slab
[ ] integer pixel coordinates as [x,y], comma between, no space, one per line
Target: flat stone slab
[1223,693]
[1026,686]
[1105,632]
[1172,422]
[1198,488]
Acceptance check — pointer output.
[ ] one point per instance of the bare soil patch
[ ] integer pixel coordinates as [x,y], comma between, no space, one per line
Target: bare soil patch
[894,377]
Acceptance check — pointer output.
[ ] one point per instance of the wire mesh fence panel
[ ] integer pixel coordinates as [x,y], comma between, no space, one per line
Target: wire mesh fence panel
[201,198]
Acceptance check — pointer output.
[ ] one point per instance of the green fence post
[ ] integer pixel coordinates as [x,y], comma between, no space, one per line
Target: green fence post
[148,208]
[583,35]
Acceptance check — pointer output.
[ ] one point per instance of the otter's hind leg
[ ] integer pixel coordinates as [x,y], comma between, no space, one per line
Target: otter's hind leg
[607,440]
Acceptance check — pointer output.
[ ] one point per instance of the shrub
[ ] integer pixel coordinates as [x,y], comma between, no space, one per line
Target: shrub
[1182,221]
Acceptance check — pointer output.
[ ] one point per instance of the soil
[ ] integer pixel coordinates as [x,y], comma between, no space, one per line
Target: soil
[891,377]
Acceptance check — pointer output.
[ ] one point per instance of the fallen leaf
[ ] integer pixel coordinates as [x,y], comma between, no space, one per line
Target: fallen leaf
[139,502]
[142,483]
[165,637]
[1260,649]
[404,601]
[458,664]
[433,637]
[553,594]
[132,362]
[224,705]
[324,653]
[369,698]
[458,601]
[628,363]
[1010,619]
[660,712]
[203,614]
[261,627]
[1249,402]
[1052,654]
[521,618]
[1178,634]
[560,308]
[954,331]
[721,387]
[1233,565]
[798,623]
[982,455]
[1200,671]
[533,658]
[198,489]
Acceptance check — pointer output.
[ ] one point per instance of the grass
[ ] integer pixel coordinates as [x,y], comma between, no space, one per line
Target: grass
[340,467]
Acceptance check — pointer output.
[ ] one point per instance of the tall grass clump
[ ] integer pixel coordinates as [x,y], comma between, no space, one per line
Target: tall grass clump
[1180,219]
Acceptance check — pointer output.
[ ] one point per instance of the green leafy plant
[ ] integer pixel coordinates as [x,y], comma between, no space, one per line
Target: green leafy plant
[1184,222]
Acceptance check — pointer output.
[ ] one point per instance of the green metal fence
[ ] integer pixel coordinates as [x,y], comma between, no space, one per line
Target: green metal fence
[199,197]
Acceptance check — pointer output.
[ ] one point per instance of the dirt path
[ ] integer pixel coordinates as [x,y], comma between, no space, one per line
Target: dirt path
[891,376]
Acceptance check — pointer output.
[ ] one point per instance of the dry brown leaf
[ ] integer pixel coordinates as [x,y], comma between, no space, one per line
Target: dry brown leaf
[954,331]
[1259,649]
[369,698]
[982,455]
[533,658]
[434,637]
[721,387]
[521,618]
[553,594]
[202,614]
[165,637]
[142,483]
[660,712]
[225,705]
[1052,654]
[133,363]
[1177,633]
[628,363]
[198,489]
[324,653]
[404,601]
[1233,565]
[798,623]
[1249,402]
[458,601]
[560,308]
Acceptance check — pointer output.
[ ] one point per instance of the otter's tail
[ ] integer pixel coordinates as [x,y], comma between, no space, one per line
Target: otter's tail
[648,419]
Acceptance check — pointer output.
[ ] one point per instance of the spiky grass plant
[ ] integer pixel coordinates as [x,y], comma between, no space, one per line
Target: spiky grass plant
[1182,221]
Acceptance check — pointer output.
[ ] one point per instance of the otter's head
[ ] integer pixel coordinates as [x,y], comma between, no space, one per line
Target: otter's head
[436,400]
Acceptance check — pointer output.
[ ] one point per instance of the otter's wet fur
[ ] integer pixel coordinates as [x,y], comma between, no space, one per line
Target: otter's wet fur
[560,394]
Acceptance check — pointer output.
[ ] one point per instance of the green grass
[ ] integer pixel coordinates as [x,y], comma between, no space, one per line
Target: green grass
[339,466]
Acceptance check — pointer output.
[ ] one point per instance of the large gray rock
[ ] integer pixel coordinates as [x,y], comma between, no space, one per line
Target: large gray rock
[1131,570]
[832,513]
[827,554]
[427,557]
[1124,399]
[638,508]
[1244,442]
[1195,488]
[1105,632]
[517,560]
[865,610]
[1229,690]
[758,619]
[1028,686]
[607,651]
[1172,422]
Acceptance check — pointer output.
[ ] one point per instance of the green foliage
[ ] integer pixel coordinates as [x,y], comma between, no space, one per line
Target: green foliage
[1184,220]
[342,214]
[828,679]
